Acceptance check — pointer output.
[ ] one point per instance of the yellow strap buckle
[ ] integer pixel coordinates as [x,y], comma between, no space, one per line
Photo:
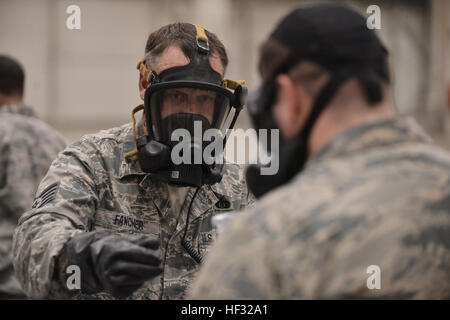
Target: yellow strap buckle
[232,84]
[145,70]
[202,39]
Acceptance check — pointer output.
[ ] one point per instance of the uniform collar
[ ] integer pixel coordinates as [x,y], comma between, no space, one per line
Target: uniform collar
[376,134]
[17,108]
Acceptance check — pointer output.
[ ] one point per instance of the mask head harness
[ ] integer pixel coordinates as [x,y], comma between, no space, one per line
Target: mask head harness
[336,38]
[193,98]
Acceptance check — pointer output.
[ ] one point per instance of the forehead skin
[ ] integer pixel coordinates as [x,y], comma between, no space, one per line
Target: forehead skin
[173,56]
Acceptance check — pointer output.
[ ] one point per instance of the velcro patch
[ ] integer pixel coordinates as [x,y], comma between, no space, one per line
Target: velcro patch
[46,196]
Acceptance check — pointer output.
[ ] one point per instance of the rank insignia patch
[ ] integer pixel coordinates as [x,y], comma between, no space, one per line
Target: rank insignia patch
[46,196]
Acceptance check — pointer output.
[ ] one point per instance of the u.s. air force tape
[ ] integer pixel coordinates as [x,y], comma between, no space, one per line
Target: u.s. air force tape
[46,196]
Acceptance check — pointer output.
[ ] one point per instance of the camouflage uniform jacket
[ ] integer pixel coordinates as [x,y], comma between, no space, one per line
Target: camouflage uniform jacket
[375,195]
[27,148]
[92,186]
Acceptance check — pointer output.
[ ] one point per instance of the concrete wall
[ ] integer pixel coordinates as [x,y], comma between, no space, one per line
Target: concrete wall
[85,80]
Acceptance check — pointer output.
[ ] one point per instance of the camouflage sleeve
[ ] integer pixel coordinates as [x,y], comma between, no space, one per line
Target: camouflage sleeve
[239,266]
[64,206]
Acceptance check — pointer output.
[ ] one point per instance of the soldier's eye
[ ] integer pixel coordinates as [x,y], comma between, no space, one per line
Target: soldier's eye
[175,97]
[205,99]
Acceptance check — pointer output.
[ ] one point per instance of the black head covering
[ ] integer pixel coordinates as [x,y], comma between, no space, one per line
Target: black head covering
[332,35]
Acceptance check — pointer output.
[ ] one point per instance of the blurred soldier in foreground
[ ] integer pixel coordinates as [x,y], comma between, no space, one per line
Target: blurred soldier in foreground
[373,196]
[27,148]
[116,204]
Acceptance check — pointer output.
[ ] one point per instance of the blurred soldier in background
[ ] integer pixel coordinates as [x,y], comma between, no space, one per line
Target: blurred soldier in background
[27,148]
[369,214]
[116,204]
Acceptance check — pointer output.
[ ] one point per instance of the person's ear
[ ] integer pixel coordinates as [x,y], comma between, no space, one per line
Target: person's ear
[291,106]
[143,85]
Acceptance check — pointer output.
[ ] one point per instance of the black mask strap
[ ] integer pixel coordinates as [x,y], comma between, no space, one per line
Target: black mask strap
[323,98]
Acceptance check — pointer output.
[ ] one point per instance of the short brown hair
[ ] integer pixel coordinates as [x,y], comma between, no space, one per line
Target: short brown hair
[11,76]
[184,36]
[271,55]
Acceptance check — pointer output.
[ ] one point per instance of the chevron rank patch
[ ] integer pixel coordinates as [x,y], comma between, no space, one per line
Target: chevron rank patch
[46,196]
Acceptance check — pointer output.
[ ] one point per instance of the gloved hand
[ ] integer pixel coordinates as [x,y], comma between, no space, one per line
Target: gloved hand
[112,263]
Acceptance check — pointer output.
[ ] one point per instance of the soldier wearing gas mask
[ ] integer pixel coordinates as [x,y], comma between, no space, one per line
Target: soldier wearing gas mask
[360,205]
[120,204]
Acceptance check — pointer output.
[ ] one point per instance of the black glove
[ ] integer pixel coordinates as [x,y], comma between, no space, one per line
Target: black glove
[115,264]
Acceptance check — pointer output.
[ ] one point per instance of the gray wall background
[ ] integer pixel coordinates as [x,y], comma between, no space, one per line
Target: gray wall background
[81,81]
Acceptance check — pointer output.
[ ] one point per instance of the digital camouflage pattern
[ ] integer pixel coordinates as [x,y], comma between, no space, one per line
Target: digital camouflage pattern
[27,148]
[92,186]
[378,194]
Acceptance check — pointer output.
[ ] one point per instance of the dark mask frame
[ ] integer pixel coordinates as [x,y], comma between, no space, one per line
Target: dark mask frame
[153,155]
